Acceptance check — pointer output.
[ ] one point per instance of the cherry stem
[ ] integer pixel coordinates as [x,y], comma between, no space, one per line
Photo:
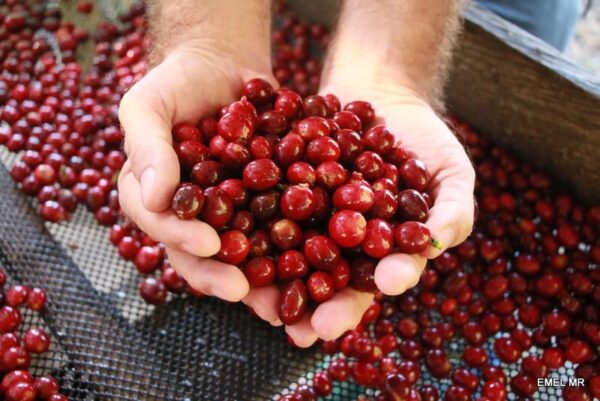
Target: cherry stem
[436,244]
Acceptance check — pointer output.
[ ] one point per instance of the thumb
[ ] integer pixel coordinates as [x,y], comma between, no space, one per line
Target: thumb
[148,144]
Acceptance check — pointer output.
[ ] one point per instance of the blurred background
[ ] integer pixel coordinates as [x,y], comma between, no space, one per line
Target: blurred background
[585,47]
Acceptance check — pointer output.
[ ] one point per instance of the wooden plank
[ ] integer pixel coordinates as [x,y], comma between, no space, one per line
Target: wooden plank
[526,96]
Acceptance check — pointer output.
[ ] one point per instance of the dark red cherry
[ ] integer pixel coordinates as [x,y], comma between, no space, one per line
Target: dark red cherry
[235,127]
[218,207]
[412,206]
[414,174]
[379,239]
[234,247]
[357,197]
[188,201]
[291,265]
[260,271]
[321,252]
[378,139]
[258,91]
[261,174]
[347,228]
[207,173]
[297,202]
[293,302]
[286,234]
[321,286]
[412,237]
[363,274]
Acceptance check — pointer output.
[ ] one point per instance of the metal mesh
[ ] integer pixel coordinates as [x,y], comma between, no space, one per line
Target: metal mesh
[110,345]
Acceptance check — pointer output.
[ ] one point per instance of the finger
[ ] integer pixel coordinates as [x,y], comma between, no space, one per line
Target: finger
[210,276]
[191,236]
[302,332]
[148,142]
[398,272]
[341,313]
[451,218]
[264,301]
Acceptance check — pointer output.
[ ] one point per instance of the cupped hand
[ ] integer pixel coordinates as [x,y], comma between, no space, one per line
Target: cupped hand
[190,83]
[420,131]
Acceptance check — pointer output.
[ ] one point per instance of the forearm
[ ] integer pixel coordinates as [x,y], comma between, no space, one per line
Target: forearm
[389,42]
[238,27]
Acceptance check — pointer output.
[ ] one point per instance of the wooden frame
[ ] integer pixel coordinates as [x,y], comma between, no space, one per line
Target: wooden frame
[525,95]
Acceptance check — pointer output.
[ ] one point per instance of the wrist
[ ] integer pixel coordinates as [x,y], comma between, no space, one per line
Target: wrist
[230,29]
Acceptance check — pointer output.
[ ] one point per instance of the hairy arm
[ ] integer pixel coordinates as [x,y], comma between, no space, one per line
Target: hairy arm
[390,43]
[232,26]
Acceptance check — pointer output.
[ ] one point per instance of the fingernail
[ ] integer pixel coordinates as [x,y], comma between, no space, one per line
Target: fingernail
[276,323]
[147,183]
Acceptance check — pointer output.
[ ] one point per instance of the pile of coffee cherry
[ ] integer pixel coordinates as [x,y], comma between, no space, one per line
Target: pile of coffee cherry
[16,349]
[297,188]
[520,295]
[517,302]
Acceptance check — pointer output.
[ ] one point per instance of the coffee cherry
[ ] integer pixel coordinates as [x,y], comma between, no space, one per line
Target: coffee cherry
[357,197]
[347,228]
[286,234]
[378,139]
[46,386]
[36,340]
[10,319]
[186,132]
[293,302]
[414,174]
[235,247]
[218,207]
[321,252]
[412,237]
[313,127]
[379,239]
[507,350]
[437,363]
[21,391]
[412,206]
[369,164]
[321,286]
[330,175]
[235,127]
[363,274]
[153,291]
[258,91]
[15,358]
[207,173]
[261,174]
[260,271]
[301,173]
[322,149]
[16,376]
[297,203]
[17,295]
[191,153]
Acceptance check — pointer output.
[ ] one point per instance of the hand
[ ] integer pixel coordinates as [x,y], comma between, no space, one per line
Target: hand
[190,83]
[419,130]
[422,132]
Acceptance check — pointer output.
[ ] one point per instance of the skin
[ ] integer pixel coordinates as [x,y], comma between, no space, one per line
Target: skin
[389,53]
